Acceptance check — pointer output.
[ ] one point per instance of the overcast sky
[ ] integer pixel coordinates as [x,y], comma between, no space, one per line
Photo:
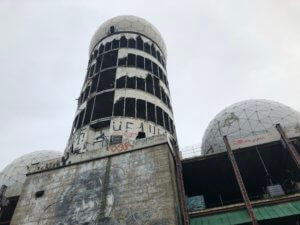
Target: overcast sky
[219,52]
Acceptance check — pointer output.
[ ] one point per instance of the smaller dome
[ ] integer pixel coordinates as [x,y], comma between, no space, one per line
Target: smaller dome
[250,118]
[14,175]
[130,24]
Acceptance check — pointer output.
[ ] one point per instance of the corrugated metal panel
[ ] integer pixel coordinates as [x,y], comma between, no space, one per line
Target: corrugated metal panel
[241,216]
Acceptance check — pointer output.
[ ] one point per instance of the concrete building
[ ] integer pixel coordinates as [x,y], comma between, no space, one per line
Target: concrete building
[122,165]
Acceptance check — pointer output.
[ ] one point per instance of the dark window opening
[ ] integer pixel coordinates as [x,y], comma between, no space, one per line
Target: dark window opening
[168,101]
[95,54]
[119,107]
[149,84]
[110,59]
[157,87]
[158,56]
[171,126]
[103,105]
[123,42]
[130,107]
[122,61]
[86,93]
[88,111]
[140,83]
[101,49]
[160,73]
[131,43]
[141,135]
[163,96]
[131,82]
[165,79]
[116,139]
[148,65]
[94,83]
[153,51]
[121,82]
[159,116]
[167,125]
[140,109]
[147,47]
[139,43]
[115,44]
[75,122]
[131,60]
[140,63]
[151,112]
[107,80]
[7,212]
[112,29]
[79,124]
[155,69]
[98,64]
[92,70]
[108,46]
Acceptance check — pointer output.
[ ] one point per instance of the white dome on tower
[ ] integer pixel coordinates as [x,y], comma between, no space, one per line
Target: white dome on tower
[14,175]
[248,121]
[128,23]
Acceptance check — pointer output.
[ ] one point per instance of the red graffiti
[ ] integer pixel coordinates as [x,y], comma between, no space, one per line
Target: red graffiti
[122,147]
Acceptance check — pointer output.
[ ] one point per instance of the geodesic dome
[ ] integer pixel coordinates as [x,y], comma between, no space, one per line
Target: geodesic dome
[246,119]
[14,175]
[130,24]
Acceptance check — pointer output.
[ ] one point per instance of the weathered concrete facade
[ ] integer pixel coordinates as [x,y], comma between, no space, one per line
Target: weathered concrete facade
[136,187]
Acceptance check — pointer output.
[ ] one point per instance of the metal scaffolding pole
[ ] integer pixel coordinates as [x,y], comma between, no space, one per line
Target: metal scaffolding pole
[240,181]
[288,145]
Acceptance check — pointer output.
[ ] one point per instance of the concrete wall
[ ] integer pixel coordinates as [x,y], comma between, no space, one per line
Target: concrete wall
[136,187]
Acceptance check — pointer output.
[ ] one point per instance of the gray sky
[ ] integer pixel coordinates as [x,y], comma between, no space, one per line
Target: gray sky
[219,52]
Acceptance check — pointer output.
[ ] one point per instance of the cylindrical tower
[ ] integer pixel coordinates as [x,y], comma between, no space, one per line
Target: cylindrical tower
[125,94]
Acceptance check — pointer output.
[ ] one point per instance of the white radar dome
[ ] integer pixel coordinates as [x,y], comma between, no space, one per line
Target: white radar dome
[128,23]
[14,175]
[249,122]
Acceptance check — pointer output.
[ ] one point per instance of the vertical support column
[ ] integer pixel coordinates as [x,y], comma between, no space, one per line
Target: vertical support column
[288,145]
[240,181]
[181,188]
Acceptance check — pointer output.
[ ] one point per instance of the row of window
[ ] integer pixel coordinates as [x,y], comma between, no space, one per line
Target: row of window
[105,80]
[150,85]
[138,108]
[123,42]
[109,60]
[101,106]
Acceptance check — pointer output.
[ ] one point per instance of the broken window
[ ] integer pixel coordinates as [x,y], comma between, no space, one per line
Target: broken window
[140,83]
[115,44]
[153,50]
[131,82]
[147,47]
[107,79]
[121,82]
[131,43]
[159,116]
[92,70]
[88,111]
[130,107]
[151,112]
[110,59]
[140,63]
[149,84]
[80,117]
[140,109]
[139,43]
[166,118]
[108,46]
[157,87]
[119,107]
[122,61]
[94,83]
[123,42]
[103,105]
[131,60]
[98,64]
[155,69]
[101,49]
[148,65]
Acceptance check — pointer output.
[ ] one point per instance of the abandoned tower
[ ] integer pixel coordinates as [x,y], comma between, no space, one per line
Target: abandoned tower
[122,165]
